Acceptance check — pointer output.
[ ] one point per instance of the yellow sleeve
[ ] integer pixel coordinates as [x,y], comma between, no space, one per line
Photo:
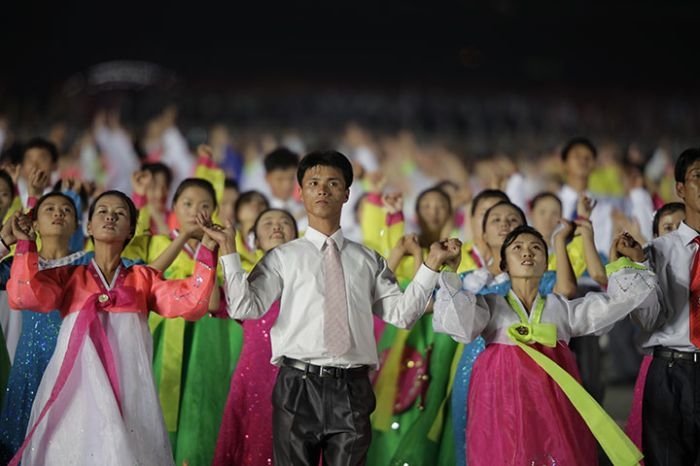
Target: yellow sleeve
[379,230]
[207,170]
[576,257]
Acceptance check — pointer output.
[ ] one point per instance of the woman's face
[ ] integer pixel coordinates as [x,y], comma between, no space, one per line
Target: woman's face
[274,228]
[546,215]
[56,217]
[526,257]
[433,212]
[671,222]
[111,221]
[191,202]
[6,196]
[501,220]
[477,220]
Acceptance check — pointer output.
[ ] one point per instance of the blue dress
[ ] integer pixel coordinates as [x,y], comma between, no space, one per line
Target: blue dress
[34,350]
[460,387]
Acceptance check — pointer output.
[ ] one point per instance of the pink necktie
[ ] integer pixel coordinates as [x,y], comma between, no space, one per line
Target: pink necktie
[336,330]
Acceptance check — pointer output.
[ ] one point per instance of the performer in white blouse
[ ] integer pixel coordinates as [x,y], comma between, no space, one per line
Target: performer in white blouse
[522,407]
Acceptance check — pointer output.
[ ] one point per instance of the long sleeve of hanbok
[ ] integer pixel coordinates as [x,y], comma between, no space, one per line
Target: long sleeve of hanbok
[30,288]
[631,287]
[458,313]
[187,298]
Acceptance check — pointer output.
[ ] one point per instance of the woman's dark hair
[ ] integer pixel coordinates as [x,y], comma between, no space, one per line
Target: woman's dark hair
[544,195]
[328,158]
[437,190]
[488,194]
[513,235]
[291,217]
[685,160]
[35,210]
[8,180]
[246,197]
[502,203]
[133,212]
[666,209]
[195,183]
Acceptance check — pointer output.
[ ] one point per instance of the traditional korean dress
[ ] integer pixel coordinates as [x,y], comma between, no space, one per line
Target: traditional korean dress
[245,437]
[97,402]
[36,345]
[193,363]
[524,406]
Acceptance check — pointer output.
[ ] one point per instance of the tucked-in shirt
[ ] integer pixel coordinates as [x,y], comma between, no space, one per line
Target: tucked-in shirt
[293,273]
[671,256]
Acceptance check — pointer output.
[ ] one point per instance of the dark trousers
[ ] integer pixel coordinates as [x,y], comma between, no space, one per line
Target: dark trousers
[316,417]
[671,413]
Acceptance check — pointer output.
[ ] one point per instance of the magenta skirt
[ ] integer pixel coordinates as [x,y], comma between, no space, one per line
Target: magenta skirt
[518,415]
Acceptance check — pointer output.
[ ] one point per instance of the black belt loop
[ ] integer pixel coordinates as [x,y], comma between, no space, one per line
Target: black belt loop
[673,355]
[324,371]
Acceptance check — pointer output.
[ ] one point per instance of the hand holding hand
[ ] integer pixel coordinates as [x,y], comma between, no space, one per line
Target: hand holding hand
[446,251]
[624,245]
[411,245]
[563,231]
[584,227]
[225,237]
[22,227]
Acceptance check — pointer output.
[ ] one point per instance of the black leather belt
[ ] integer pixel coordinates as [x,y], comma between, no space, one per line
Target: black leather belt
[325,371]
[673,355]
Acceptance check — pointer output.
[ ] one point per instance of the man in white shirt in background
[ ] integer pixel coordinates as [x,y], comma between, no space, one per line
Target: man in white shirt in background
[329,288]
[280,175]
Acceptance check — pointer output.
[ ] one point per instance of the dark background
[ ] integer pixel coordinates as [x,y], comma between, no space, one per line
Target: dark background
[650,45]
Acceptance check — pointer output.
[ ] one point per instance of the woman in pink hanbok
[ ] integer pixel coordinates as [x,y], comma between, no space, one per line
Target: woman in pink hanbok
[97,402]
[245,437]
[525,404]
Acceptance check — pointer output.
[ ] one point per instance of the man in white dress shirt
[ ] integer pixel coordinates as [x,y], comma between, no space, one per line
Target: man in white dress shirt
[325,347]
[671,409]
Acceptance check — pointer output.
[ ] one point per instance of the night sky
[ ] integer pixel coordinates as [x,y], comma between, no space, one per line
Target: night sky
[652,45]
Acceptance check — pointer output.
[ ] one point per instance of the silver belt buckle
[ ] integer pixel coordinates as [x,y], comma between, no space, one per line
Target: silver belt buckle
[327,371]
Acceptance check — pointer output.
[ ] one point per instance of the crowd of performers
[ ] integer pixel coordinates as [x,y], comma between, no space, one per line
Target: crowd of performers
[235,328]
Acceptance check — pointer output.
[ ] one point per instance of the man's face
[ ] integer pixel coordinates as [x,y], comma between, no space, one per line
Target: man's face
[580,161]
[282,182]
[323,191]
[36,158]
[689,190]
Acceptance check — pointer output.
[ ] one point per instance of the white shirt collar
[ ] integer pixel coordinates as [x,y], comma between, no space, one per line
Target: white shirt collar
[318,239]
[686,233]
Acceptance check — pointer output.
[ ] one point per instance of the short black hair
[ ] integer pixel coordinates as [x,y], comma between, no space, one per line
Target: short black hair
[578,141]
[488,194]
[513,235]
[8,179]
[157,167]
[280,159]
[544,195]
[35,210]
[41,143]
[437,190]
[291,217]
[666,209]
[230,183]
[328,158]
[195,183]
[246,197]
[133,212]
[501,203]
[685,160]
